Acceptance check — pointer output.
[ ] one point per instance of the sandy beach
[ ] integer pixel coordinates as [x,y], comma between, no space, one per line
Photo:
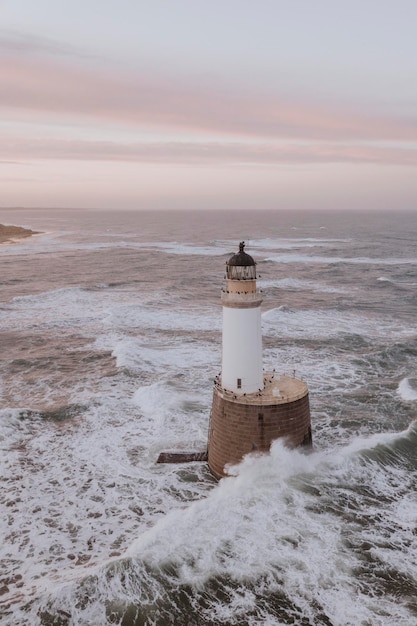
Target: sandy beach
[8,234]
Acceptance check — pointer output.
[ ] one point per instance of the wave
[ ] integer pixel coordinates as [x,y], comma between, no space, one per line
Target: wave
[267,545]
[329,323]
[98,310]
[58,243]
[407,389]
[397,283]
[294,243]
[296,283]
[313,259]
[159,358]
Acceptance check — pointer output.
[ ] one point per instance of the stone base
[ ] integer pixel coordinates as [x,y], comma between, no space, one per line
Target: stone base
[241,424]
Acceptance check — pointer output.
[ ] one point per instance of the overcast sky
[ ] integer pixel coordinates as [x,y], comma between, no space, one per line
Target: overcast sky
[308,104]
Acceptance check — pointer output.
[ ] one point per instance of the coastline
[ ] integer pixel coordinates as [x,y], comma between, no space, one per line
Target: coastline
[10,234]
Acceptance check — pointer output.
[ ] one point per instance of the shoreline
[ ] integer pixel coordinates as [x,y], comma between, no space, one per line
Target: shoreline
[12,234]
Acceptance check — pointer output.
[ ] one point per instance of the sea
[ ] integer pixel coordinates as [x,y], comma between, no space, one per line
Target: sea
[110,338]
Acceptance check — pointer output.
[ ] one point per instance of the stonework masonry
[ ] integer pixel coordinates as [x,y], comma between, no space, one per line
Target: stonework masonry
[243,424]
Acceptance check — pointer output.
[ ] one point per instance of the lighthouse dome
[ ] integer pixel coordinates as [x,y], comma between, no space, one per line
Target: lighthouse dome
[241,258]
[241,265]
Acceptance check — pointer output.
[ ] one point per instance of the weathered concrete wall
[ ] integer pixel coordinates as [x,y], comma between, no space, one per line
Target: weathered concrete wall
[238,427]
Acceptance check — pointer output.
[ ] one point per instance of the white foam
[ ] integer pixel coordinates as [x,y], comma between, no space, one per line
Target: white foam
[154,318]
[329,323]
[224,247]
[61,242]
[57,308]
[294,243]
[295,543]
[90,309]
[397,283]
[330,260]
[84,479]
[174,247]
[407,389]
[296,283]
[276,526]
[324,371]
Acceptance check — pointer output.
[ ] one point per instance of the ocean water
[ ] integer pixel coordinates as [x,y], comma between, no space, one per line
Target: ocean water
[110,337]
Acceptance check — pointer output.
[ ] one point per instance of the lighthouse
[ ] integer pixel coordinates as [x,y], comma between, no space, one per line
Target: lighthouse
[250,408]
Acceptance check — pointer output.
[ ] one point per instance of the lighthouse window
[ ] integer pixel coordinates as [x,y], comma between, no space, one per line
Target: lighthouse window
[241,272]
[239,383]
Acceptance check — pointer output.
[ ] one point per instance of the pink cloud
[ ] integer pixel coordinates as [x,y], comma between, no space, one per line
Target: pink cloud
[72,89]
[202,153]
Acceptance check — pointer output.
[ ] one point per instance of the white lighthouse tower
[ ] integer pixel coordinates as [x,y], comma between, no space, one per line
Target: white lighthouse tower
[242,336]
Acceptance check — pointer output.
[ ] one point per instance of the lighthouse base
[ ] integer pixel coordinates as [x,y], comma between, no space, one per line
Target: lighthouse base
[241,424]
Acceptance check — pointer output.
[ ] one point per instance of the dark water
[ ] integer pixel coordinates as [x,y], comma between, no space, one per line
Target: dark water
[110,339]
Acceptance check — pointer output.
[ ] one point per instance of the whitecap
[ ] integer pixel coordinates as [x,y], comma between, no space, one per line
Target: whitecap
[318,323]
[296,283]
[407,389]
[330,260]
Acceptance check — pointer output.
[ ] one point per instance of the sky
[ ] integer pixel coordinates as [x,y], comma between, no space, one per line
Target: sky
[220,104]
